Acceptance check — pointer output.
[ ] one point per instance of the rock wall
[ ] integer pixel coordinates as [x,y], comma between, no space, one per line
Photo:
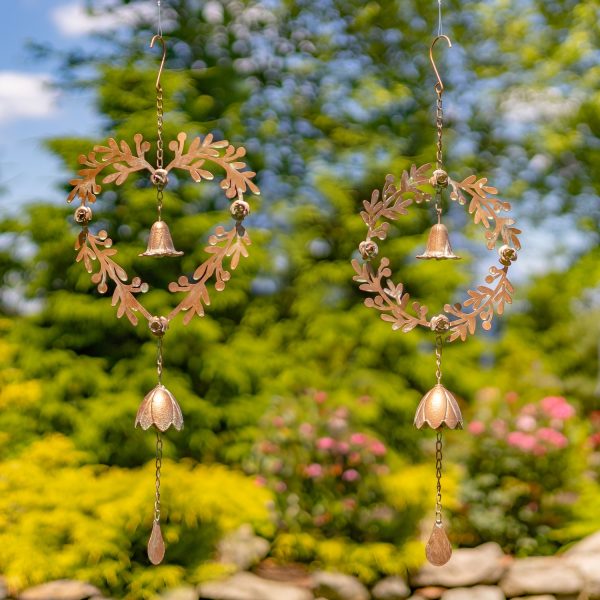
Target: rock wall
[482,573]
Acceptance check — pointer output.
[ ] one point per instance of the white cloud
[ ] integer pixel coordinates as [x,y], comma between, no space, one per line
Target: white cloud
[73,20]
[25,95]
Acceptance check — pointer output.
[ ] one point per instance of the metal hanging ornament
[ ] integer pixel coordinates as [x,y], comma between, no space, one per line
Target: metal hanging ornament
[438,408]
[115,162]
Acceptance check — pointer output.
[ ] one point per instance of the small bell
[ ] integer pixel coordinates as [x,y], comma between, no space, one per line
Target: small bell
[438,408]
[438,244]
[160,242]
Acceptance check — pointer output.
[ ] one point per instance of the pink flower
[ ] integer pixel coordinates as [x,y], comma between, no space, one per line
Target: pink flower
[343,447]
[354,458]
[306,429]
[526,423]
[260,481]
[557,407]
[313,471]
[512,397]
[278,422]
[378,448]
[358,439]
[351,475]
[520,440]
[320,397]
[499,427]
[325,443]
[552,437]
[476,427]
[349,503]
[280,487]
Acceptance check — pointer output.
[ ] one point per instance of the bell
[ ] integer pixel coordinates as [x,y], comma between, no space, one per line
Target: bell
[438,244]
[439,408]
[160,242]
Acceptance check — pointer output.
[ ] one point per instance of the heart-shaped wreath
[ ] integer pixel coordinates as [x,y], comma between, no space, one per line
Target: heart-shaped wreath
[224,244]
[390,299]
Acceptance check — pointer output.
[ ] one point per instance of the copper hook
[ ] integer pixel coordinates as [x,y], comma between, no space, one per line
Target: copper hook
[439,86]
[164,57]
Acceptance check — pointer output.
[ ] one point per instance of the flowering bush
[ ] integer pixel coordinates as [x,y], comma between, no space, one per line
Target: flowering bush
[325,473]
[521,469]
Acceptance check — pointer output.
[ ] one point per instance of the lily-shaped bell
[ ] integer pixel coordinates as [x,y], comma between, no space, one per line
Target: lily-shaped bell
[160,242]
[438,244]
[159,408]
[437,408]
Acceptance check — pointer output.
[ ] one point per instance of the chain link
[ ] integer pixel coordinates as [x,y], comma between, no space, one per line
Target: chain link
[157,480]
[159,360]
[439,123]
[159,146]
[438,475]
[438,358]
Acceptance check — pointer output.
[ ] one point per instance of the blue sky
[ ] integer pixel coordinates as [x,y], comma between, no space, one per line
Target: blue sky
[30,110]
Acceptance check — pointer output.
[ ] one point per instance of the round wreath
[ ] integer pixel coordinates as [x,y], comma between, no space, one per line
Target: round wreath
[390,299]
[224,244]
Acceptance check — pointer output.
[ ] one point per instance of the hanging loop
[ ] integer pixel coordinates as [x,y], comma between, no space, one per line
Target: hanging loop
[161,39]
[439,86]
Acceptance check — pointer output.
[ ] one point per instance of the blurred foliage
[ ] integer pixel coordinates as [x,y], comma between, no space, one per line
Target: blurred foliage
[90,521]
[328,97]
[523,466]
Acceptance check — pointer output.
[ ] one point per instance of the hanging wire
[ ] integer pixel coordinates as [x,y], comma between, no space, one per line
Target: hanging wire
[440,28]
[159,29]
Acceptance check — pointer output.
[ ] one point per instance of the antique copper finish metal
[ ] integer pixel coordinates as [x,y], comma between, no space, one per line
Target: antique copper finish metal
[438,550]
[159,408]
[438,408]
[160,242]
[438,244]
[114,163]
[156,544]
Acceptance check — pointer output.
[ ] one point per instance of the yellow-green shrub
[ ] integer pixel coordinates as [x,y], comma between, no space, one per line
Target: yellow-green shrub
[62,518]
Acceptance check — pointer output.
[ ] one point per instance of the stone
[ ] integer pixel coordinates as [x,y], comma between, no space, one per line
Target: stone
[431,592]
[180,593]
[589,567]
[337,586]
[391,588]
[588,545]
[242,548]
[468,566]
[541,575]
[479,592]
[62,589]
[246,586]
[542,597]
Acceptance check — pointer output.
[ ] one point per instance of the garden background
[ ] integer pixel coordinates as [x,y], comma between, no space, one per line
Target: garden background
[298,401]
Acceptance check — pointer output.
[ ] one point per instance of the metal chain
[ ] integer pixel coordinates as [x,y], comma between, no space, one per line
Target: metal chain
[159,360]
[438,475]
[439,123]
[438,358]
[157,480]
[159,146]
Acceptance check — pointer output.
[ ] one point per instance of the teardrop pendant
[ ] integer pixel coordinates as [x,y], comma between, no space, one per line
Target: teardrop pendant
[438,550]
[156,545]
